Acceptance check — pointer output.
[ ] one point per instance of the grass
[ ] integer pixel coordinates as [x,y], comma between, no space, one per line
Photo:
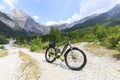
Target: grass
[99,50]
[3,53]
[30,67]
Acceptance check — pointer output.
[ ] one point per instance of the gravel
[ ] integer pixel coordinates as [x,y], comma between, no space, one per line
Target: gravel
[97,67]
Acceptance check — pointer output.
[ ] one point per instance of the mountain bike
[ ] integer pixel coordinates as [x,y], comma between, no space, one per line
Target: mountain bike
[74,57]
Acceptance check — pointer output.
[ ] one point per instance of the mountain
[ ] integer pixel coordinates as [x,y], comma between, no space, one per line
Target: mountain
[5,29]
[61,26]
[8,21]
[8,26]
[26,22]
[115,12]
[21,23]
[109,18]
[85,19]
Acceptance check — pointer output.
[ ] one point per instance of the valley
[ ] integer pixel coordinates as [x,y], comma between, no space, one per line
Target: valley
[23,41]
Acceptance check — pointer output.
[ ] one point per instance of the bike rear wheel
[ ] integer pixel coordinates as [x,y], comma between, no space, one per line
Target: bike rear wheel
[75,59]
[50,54]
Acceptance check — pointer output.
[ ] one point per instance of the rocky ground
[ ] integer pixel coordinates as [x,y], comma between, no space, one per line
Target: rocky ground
[21,64]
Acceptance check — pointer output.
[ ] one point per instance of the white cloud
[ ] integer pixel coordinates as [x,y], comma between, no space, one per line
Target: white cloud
[35,17]
[88,7]
[10,3]
[2,8]
[48,23]
[75,17]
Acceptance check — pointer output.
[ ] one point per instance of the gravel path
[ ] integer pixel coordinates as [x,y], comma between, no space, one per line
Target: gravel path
[97,68]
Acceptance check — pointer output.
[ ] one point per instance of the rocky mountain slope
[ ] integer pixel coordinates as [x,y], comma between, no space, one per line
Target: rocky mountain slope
[8,21]
[109,18]
[26,22]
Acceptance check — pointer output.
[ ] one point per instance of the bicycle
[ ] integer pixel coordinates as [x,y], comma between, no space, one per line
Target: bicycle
[74,58]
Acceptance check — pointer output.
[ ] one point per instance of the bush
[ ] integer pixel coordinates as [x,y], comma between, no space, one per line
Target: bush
[110,41]
[37,44]
[90,38]
[118,46]
[2,47]
[106,43]
[3,39]
[99,31]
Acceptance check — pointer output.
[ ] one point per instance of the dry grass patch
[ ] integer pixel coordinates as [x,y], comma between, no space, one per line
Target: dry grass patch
[99,50]
[3,53]
[29,67]
[24,46]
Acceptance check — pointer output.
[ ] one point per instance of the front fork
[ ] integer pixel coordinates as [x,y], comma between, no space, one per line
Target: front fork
[72,54]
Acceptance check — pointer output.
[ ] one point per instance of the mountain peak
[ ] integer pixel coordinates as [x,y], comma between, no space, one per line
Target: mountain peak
[19,16]
[117,5]
[16,12]
[115,11]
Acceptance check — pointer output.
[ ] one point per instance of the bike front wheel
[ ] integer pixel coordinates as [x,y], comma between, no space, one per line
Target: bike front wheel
[75,58]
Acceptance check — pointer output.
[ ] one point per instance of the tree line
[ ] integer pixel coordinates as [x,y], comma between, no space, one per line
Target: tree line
[107,36]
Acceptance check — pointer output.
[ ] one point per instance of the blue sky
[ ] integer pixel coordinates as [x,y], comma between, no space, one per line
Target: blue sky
[50,9]
[58,11]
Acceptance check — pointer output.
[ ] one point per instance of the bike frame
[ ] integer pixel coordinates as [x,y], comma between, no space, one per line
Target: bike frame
[56,53]
[68,43]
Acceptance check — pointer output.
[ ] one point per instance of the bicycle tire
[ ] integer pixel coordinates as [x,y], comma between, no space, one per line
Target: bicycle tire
[84,61]
[46,53]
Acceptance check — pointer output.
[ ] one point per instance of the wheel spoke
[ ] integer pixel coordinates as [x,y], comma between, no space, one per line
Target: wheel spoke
[50,55]
[75,59]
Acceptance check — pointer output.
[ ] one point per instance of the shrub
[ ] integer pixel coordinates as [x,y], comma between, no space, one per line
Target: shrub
[2,47]
[99,31]
[90,38]
[3,39]
[37,44]
[118,46]
[45,45]
[106,43]
[111,41]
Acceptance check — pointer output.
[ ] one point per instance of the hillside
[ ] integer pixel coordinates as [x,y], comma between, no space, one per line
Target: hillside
[108,19]
[9,27]
[26,22]
[18,22]
[4,29]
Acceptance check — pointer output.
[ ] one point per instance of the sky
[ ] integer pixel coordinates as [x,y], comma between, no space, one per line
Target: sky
[58,11]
